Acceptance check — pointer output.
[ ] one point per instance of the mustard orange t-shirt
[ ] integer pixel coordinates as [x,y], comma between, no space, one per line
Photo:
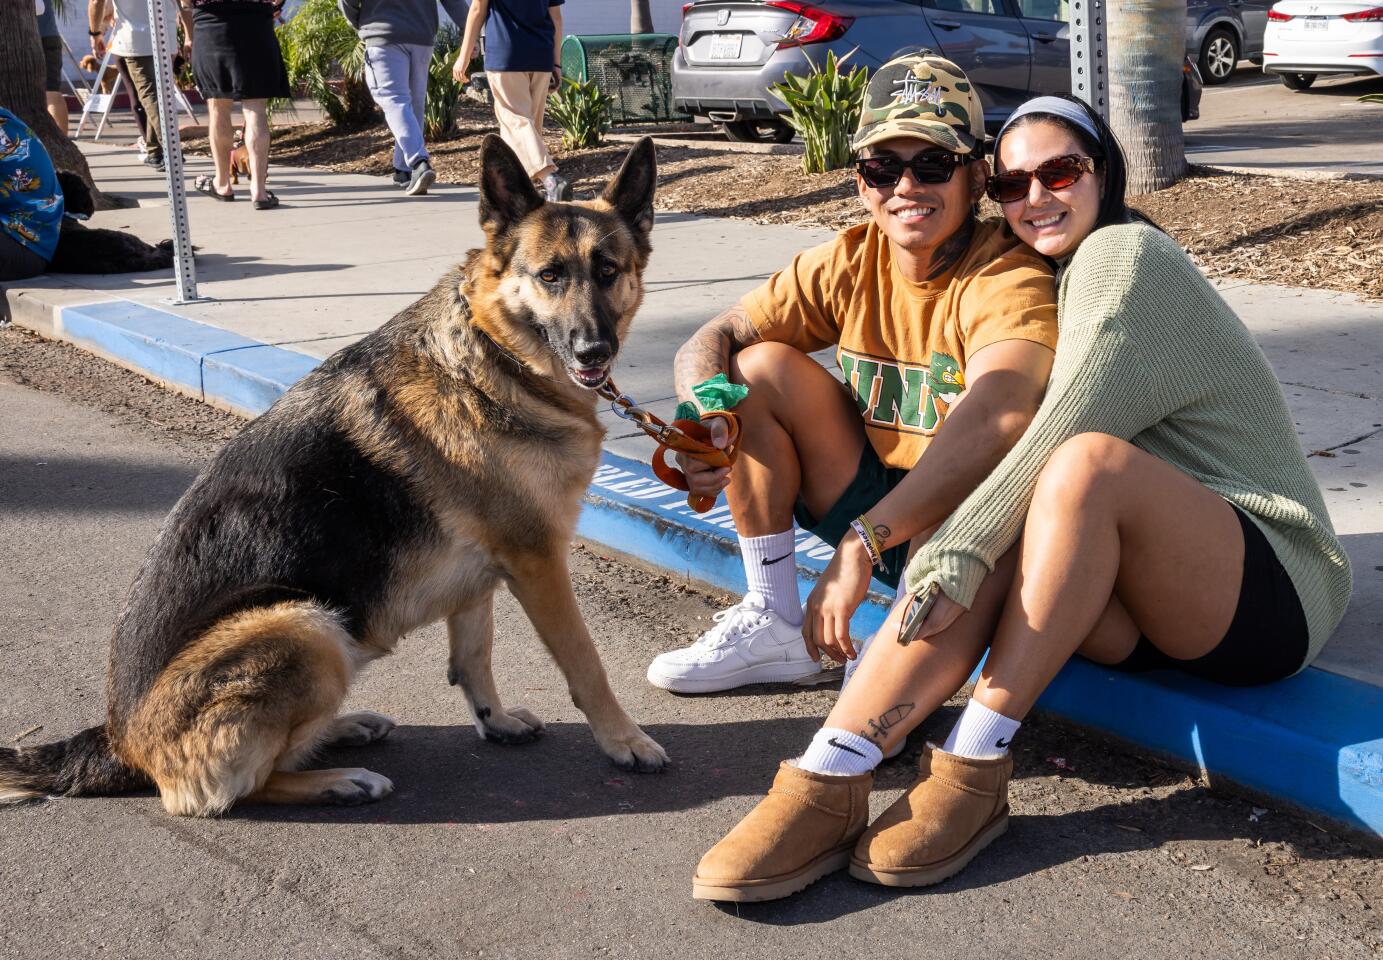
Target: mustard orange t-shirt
[901,345]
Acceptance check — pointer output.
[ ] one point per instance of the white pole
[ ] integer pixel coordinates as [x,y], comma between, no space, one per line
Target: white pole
[162,33]
[1090,54]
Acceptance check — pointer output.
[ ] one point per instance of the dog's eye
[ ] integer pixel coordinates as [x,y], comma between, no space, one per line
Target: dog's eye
[608,270]
[548,276]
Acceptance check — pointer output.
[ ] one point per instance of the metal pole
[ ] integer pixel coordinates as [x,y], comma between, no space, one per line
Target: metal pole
[162,33]
[1090,54]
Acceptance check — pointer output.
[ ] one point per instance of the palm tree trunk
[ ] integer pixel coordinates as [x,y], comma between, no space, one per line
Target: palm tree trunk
[21,90]
[1147,41]
[640,17]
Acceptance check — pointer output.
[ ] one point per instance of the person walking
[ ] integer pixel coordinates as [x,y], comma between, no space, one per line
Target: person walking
[235,56]
[51,38]
[399,36]
[132,43]
[523,64]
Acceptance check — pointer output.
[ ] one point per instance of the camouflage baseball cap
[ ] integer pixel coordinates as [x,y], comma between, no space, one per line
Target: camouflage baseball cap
[921,95]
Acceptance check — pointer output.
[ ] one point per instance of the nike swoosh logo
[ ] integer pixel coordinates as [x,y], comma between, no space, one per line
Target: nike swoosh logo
[840,746]
[1002,744]
[768,563]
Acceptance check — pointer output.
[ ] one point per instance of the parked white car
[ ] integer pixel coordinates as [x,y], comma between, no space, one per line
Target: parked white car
[1309,38]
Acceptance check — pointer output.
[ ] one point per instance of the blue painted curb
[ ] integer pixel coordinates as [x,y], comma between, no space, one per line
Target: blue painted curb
[1315,740]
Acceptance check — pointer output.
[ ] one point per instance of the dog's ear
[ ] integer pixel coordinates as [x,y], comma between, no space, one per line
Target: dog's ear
[630,191]
[76,198]
[507,194]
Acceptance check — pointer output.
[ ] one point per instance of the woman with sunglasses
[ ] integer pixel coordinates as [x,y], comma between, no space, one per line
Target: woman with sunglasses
[1157,513]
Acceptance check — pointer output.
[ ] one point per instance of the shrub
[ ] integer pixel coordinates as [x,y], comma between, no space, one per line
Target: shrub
[443,92]
[582,111]
[326,57]
[825,110]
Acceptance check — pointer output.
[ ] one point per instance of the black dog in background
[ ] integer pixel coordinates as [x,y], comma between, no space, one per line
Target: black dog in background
[83,249]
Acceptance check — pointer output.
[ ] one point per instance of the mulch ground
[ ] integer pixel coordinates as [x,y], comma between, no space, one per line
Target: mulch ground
[1304,233]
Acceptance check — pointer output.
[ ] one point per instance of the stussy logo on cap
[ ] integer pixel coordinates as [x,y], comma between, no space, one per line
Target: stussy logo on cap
[912,89]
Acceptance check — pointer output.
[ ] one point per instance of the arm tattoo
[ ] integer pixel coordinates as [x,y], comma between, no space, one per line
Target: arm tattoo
[884,533]
[950,252]
[708,351]
[886,721]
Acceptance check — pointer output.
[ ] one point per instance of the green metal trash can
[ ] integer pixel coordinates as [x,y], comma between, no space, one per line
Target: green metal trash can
[634,69]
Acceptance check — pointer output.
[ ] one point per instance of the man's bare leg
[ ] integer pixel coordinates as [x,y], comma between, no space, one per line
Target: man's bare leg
[800,434]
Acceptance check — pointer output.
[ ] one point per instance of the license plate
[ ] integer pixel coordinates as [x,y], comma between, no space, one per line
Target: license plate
[1320,23]
[726,46]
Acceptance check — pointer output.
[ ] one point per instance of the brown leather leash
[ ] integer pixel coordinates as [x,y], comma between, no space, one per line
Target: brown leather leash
[681,436]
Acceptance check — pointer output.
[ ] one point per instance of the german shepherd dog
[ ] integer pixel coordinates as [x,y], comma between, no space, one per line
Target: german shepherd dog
[398,484]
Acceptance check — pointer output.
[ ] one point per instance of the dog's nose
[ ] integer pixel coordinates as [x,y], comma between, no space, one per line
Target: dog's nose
[591,353]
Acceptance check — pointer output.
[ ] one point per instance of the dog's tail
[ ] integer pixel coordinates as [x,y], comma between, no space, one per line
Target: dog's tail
[78,766]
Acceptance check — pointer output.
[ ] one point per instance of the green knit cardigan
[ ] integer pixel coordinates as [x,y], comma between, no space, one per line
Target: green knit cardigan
[1151,354]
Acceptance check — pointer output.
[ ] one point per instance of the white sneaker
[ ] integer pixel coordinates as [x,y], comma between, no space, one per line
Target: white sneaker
[748,644]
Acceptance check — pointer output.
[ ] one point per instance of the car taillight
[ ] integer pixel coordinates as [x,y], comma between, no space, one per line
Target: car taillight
[1279,17]
[812,25]
[686,7]
[1366,16]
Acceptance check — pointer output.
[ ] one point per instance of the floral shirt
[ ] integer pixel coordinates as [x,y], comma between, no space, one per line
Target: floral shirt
[30,199]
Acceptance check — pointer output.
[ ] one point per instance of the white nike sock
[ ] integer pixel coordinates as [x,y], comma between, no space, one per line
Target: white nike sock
[770,566]
[980,733]
[839,753]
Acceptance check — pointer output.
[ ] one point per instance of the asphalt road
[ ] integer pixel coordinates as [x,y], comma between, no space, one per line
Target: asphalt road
[1253,121]
[546,850]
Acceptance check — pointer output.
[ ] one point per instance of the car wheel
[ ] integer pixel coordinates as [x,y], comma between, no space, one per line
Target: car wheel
[1219,56]
[758,131]
[1297,81]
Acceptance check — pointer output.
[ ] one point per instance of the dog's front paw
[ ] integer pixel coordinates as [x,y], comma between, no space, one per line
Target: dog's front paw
[636,752]
[515,725]
[355,786]
[359,728]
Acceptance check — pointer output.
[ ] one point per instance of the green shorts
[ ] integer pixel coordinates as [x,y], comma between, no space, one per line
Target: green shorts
[872,483]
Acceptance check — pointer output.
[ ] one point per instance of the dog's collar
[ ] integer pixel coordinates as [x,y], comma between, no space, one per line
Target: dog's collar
[470,315]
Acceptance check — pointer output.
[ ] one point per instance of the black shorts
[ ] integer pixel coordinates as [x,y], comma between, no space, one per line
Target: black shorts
[1267,639]
[235,55]
[872,483]
[52,64]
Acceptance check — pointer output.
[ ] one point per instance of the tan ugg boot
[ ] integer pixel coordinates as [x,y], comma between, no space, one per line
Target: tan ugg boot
[804,829]
[957,807]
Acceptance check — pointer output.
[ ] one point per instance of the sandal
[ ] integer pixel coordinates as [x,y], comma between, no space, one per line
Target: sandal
[268,203]
[207,185]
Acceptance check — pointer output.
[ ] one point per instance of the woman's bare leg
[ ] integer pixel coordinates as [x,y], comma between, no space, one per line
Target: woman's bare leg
[1109,521]
[256,115]
[895,688]
[222,137]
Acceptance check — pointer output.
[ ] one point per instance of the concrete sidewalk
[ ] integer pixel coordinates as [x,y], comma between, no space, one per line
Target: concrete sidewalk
[345,252]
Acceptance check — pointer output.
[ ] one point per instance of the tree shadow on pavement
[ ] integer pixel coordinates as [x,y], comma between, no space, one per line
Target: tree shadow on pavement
[42,482]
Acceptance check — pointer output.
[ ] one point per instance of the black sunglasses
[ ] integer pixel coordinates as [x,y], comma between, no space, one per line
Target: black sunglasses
[929,167]
[1055,174]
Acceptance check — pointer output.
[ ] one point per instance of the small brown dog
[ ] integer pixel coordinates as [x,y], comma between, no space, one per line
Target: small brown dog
[239,157]
[106,82]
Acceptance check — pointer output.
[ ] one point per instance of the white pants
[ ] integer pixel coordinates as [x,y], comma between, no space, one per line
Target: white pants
[520,99]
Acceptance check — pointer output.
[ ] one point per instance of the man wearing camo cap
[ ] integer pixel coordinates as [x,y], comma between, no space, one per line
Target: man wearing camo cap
[923,304]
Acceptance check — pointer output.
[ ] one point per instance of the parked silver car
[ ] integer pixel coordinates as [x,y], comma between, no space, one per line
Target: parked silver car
[1220,33]
[733,51]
